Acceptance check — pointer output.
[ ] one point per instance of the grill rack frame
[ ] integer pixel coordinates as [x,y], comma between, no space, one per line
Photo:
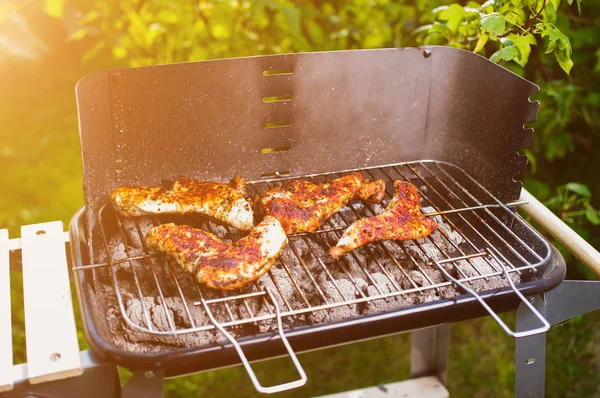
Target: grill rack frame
[548,276]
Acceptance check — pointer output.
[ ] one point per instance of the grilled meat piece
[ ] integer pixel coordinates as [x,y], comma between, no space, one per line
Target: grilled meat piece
[217,264]
[301,206]
[224,202]
[402,220]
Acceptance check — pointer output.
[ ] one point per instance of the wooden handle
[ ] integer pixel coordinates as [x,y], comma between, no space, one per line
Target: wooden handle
[570,239]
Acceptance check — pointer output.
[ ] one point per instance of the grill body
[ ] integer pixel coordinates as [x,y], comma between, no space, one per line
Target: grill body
[305,115]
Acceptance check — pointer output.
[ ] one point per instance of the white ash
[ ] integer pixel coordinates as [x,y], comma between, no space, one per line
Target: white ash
[384,286]
[336,313]
[355,275]
[286,288]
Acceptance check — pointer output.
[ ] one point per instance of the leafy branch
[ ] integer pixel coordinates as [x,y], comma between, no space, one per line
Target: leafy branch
[507,29]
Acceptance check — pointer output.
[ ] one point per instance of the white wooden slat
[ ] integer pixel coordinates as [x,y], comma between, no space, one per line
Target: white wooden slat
[50,333]
[6,354]
[423,387]
[15,243]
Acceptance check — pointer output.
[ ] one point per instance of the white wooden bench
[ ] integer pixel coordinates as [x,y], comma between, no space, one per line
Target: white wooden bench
[51,336]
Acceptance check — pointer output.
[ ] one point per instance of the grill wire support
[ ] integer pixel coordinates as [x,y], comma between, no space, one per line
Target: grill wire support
[480,220]
[542,329]
[265,390]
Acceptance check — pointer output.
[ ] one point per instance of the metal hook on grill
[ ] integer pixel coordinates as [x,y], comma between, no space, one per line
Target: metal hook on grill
[265,390]
[541,329]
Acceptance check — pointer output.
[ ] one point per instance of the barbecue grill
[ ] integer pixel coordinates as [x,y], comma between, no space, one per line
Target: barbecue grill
[447,120]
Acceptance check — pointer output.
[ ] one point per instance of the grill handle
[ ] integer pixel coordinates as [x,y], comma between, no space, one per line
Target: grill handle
[570,239]
[542,329]
[265,390]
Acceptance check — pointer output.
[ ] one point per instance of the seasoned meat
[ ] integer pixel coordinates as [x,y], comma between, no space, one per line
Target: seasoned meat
[224,202]
[402,220]
[217,264]
[301,206]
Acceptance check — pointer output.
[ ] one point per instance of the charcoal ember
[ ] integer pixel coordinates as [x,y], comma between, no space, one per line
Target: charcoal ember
[118,253]
[357,283]
[318,246]
[298,249]
[418,278]
[176,312]
[336,313]
[289,264]
[158,318]
[135,229]
[451,233]
[433,276]
[286,288]
[384,286]
[485,266]
[220,230]
[410,266]
[425,249]
[378,208]
[439,220]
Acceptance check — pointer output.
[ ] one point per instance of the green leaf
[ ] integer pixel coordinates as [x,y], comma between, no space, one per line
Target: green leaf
[507,54]
[556,39]
[483,38]
[54,8]
[592,215]
[493,23]
[425,28]
[453,15]
[315,32]
[580,189]
[557,43]
[523,43]
[564,60]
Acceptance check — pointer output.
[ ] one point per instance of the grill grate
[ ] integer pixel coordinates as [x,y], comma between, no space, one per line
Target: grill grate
[479,238]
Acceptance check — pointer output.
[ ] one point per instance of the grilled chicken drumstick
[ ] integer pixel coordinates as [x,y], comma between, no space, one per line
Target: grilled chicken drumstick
[301,206]
[224,202]
[402,220]
[217,264]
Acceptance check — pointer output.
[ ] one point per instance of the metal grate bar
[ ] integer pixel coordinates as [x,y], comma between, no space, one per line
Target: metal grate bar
[463,218]
[445,217]
[429,237]
[303,261]
[489,228]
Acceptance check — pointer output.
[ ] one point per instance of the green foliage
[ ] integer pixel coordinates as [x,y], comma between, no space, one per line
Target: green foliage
[573,203]
[147,33]
[503,30]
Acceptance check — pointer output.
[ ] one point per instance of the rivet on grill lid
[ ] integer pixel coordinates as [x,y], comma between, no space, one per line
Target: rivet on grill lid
[426,53]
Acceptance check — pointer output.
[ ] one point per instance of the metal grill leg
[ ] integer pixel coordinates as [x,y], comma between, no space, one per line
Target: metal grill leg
[146,384]
[566,301]
[530,352]
[429,352]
